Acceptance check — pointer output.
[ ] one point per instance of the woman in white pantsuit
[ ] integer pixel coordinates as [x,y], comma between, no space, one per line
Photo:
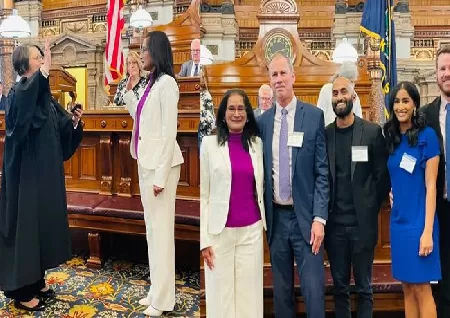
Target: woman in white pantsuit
[232,218]
[154,146]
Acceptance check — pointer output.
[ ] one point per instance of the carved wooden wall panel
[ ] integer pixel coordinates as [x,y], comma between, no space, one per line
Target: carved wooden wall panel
[430,15]
[103,164]
[60,4]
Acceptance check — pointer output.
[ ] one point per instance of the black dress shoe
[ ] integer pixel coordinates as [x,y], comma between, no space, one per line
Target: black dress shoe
[50,293]
[39,307]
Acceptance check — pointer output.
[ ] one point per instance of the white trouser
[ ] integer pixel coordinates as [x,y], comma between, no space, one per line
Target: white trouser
[159,216]
[234,288]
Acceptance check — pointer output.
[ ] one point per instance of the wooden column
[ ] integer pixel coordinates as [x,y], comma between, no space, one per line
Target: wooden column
[376,98]
[7,71]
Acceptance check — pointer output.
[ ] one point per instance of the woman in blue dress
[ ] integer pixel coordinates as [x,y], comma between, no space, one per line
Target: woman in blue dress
[413,166]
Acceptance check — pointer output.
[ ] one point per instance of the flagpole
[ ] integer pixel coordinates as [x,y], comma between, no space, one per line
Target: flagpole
[390,34]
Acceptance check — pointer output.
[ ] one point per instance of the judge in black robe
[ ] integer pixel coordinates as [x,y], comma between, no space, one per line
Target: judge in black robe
[34,229]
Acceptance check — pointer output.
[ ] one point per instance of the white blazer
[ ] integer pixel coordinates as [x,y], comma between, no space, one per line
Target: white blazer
[215,185]
[158,148]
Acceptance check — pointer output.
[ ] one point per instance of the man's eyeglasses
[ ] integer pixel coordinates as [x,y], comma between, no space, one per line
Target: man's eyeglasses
[266,99]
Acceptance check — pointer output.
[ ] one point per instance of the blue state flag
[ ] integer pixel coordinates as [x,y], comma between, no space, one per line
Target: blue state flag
[377,22]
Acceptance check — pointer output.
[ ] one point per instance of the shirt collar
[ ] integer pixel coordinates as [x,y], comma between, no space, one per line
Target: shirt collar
[290,107]
[444,102]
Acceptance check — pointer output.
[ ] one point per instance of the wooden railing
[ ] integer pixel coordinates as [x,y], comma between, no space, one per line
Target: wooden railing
[103,164]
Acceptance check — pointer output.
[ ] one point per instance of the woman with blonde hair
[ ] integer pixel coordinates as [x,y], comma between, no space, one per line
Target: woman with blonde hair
[138,78]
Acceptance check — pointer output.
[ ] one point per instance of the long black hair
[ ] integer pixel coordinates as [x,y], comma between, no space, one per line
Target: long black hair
[160,50]
[392,127]
[250,129]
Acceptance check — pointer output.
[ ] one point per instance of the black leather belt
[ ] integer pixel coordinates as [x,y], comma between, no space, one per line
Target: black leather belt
[284,207]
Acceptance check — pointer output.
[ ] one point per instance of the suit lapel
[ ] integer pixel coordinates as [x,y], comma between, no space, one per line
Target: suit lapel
[332,150]
[434,120]
[269,138]
[298,126]
[224,151]
[356,139]
[254,157]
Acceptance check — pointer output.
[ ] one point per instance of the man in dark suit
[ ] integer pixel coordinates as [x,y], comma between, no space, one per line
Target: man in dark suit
[296,193]
[359,181]
[437,114]
[192,67]
[3,99]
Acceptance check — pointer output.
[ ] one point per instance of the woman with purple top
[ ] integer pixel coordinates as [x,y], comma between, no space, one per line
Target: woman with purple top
[154,146]
[232,218]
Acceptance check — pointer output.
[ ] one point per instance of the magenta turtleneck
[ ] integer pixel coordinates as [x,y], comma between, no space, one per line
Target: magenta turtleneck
[243,209]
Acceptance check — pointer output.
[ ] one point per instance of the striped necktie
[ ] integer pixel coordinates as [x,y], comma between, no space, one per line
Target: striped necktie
[285,182]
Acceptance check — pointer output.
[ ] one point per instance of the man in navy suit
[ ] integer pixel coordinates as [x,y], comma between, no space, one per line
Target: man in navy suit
[296,193]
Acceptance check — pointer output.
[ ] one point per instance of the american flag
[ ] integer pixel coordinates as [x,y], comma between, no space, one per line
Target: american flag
[113,51]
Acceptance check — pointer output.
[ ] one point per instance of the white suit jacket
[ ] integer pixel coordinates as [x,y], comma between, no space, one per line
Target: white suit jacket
[158,148]
[215,185]
[325,100]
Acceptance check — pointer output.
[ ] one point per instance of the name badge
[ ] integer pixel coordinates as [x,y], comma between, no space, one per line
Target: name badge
[295,139]
[408,163]
[360,154]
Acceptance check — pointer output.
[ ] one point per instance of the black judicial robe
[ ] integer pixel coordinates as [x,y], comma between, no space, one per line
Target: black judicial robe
[34,230]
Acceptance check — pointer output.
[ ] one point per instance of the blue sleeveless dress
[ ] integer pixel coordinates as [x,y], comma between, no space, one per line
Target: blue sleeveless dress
[408,212]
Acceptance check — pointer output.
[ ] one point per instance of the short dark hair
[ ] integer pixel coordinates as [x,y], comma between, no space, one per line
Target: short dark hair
[392,127]
[251,127]
[160,50]
[21,58]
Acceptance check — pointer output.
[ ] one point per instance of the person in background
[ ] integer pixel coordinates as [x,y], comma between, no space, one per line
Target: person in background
[437,114]
[232,219]
[40,136]
[265,99]
[137,77]
[154,145]
[3,99]
[348,70]
[414,229]
[359,182]
[192,67]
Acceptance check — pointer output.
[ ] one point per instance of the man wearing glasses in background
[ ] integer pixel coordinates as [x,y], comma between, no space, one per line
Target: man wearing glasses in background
[265,99]
[192,67]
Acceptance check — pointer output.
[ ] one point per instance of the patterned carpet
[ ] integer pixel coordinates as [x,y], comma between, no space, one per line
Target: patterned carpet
[112,292]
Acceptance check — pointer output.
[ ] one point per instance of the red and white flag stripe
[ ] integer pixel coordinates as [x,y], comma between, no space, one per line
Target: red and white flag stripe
[113,51]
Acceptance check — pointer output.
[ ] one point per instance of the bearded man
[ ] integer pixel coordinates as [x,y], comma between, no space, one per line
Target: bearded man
[359,182]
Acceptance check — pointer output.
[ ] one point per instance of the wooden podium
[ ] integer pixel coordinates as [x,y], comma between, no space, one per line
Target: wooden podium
[61,82]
